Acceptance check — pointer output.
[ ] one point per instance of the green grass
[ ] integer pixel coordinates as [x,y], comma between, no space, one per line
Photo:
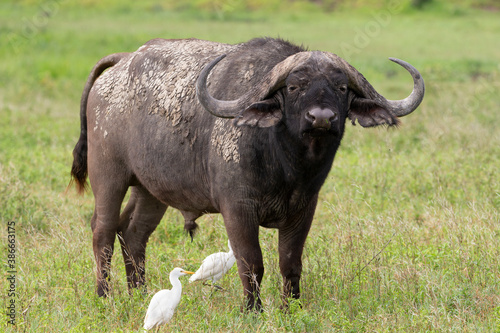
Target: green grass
[406,235]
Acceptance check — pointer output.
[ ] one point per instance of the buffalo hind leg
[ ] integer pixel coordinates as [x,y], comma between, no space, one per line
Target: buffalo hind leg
[104,227]
[292,238]
[138,220]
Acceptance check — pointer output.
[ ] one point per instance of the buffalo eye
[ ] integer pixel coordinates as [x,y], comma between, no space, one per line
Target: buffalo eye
[292,88]
[343,88]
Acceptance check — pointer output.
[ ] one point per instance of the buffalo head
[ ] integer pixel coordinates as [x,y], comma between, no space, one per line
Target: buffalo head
[312,93]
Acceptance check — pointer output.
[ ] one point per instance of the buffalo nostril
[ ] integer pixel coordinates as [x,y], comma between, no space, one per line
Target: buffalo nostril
[335,117]
[310,116]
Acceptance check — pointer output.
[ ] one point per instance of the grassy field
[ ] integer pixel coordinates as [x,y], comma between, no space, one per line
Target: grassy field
[406,236]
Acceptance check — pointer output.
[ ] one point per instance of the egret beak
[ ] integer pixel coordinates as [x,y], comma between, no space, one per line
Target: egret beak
[187,272]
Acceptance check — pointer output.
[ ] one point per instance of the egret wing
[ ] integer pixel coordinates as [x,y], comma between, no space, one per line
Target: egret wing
[160,310]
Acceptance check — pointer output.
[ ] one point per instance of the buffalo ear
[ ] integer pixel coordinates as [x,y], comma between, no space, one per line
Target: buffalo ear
[369,114]
[265,113]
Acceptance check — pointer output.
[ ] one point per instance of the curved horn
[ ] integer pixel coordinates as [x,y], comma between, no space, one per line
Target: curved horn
[405,106]
[271,82]
[365,90]
[223,109]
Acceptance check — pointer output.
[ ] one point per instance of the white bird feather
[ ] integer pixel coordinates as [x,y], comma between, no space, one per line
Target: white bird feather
[163,304]
[215,266]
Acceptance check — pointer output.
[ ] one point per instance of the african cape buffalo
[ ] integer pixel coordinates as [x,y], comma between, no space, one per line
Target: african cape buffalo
[259,156]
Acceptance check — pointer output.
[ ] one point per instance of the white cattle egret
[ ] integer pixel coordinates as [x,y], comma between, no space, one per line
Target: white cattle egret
[215,266]
[163,304]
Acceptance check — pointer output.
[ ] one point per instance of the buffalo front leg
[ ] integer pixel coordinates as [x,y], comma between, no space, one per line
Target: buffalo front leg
[292,238]
[244,237]
[139,219]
